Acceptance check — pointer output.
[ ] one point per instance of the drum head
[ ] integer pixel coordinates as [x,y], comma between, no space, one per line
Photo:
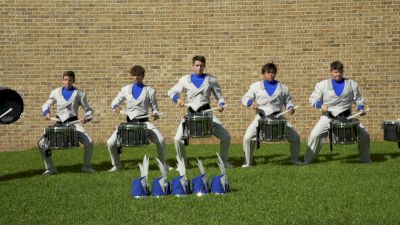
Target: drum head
[10,99]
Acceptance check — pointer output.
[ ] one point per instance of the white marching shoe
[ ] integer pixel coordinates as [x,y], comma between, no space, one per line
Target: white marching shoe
[50,172]
[114,169]
[246,165]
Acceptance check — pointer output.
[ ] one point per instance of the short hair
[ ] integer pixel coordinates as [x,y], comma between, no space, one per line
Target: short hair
[69,73]
[337,65]
[269,67]
[137,70]
[200,58]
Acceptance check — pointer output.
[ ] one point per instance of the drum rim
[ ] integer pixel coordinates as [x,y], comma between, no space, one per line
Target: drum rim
[397,122]
[60,128]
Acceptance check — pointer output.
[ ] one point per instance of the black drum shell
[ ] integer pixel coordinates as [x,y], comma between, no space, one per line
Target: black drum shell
[198,125]
[132,134]
[391,131]
[10,99]
[345,131]
[272,129]
[61,137]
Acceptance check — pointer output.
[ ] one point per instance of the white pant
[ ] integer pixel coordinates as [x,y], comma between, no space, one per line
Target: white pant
[82,137]
[320,132]
[219,132]
[249,141]
[155,136]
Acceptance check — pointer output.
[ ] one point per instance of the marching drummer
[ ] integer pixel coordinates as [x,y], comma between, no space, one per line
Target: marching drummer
[334,97]
[198,87]
[68,99]
[267,98]
[138,98]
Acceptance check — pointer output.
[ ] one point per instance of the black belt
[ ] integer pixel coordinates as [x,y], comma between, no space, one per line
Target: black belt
[74,118]
[272,114]
[203,107]
[344,114]
[136,120]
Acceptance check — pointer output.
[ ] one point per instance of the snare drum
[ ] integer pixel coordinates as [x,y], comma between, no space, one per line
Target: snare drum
[344,132]
[198,125]
[57,137]
[132,134]
[272,129]
[391,131]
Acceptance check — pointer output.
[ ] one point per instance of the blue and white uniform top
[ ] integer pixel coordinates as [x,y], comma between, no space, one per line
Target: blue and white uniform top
[198,90]
[270,96]
[138,99]
[337,95]
[68,102]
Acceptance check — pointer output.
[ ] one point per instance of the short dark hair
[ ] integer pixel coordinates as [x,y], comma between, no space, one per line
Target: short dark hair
[337,65]
[269,67]
[200,58]
[69,73]
[137,70]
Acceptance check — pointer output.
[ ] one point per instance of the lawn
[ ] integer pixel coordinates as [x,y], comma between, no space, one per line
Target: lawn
[336,189]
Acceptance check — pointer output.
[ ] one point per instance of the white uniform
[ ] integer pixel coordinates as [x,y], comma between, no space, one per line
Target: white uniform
[137,107]
[268,105]
[325,93]
[198,97]
[67,109]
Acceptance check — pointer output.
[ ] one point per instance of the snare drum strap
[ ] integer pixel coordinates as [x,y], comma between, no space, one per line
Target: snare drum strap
[258,136]
[330,134]
[186,139]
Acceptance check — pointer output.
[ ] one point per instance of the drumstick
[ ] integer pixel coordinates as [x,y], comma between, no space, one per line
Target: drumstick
[7,112]
[55,119]
[72,122]
[280,114]
[139,117]
[357,114]
[212,109]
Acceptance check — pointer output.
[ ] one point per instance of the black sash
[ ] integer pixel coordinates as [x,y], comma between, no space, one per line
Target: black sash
[203,107]
[68,120]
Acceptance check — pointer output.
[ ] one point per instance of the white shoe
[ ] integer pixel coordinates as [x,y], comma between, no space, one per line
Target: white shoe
[228,165]
[246,165]
[50,172]
[114,169]
[87,170]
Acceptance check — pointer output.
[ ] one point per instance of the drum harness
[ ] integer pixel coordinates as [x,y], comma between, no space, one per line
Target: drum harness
[190,110]
[341,117]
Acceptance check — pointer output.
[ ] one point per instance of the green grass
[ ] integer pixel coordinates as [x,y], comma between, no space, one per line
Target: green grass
[336,189]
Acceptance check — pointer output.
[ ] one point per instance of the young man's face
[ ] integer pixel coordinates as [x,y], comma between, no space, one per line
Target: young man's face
[137,79]
[198,67]
[68,82]
[269,76]
[336,75]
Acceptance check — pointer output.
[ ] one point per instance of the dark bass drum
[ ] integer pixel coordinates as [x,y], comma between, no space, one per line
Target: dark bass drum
[11,106]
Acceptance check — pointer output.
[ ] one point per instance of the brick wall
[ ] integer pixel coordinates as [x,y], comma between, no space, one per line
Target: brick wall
[100,40]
